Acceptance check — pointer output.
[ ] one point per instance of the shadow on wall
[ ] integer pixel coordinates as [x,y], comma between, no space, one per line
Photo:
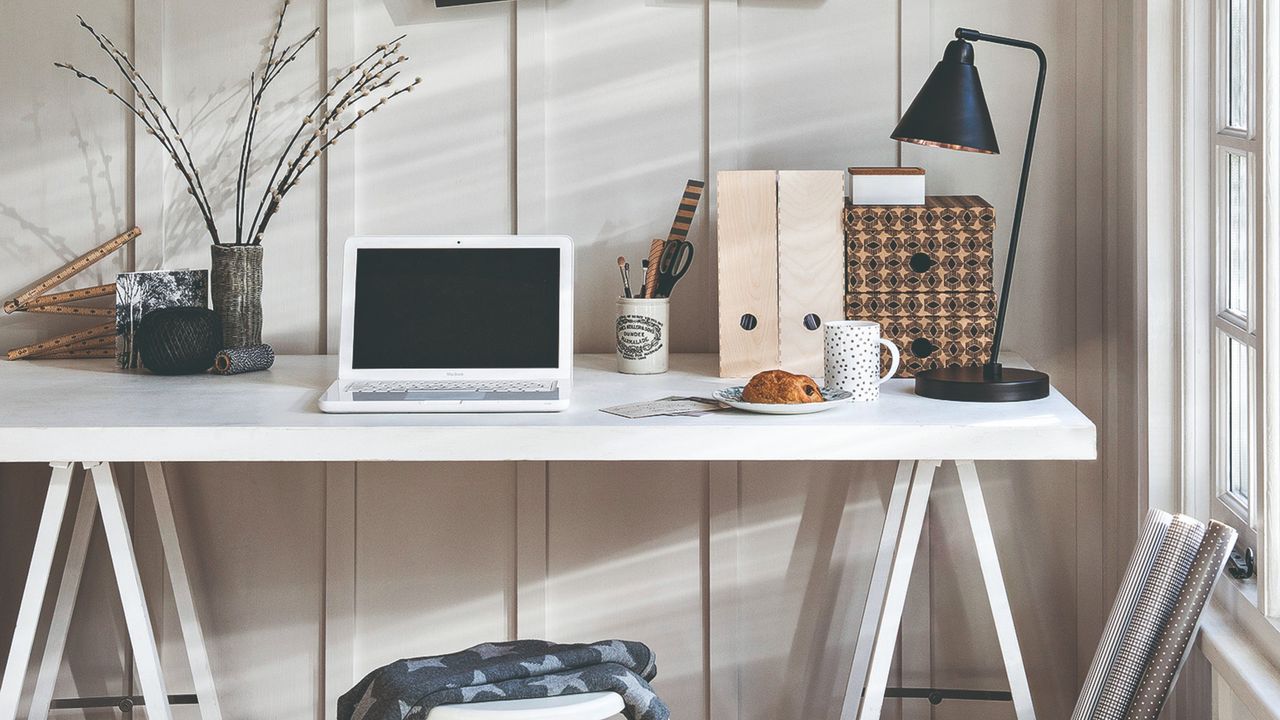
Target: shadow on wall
[37,248]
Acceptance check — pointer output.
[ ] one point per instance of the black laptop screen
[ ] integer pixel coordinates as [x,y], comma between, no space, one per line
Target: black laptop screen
[456,308]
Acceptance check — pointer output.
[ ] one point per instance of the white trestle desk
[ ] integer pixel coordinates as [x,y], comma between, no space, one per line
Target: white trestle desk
[69,412]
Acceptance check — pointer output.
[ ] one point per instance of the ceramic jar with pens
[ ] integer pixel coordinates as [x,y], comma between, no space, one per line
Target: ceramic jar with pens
[643,325]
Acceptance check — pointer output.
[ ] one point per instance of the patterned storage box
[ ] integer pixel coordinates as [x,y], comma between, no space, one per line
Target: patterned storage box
[924,273]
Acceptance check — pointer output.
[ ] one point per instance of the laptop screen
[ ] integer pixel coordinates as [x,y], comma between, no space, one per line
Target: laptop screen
[456,308]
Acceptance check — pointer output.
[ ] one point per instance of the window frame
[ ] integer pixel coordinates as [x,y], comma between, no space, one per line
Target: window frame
[1204,138]
[1227,325]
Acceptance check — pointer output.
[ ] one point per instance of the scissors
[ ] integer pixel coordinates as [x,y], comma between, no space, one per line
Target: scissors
[677,256]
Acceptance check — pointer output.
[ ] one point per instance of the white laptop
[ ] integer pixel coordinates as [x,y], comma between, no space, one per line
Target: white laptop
[455,324]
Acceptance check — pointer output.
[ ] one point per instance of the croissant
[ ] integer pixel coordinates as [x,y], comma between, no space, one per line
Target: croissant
[780,387]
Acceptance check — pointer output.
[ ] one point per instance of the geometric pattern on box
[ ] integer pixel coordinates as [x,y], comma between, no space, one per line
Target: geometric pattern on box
[945,246]
[927,343]
[920,304]
[925,274]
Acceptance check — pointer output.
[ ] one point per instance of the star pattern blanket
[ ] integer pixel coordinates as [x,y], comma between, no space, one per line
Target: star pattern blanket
[408,689]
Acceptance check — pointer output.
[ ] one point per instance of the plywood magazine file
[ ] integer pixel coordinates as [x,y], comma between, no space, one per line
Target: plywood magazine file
[97,341]
[781,268]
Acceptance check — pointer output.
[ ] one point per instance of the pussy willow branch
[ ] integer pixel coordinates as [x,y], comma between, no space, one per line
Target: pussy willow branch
[154,125]
[306,158]
[271,69]
[151,130]
[134,75]
[284,154]
[277,186]
[376,76]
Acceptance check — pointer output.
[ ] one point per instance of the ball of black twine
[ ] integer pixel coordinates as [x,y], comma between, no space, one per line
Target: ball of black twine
[179,340]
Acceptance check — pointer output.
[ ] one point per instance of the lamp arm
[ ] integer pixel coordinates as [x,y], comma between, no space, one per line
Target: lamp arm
[993,366]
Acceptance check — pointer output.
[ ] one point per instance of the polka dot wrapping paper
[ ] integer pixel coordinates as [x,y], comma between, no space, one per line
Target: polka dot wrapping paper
[1154,529]
[1151,615]
[1174,642]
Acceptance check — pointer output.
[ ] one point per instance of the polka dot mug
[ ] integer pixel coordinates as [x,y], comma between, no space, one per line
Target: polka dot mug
[852,358]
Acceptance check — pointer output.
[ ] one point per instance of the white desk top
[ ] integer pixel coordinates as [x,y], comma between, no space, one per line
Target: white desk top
[88,410]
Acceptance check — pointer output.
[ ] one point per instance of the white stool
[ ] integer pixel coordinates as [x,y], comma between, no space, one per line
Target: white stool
[587,706]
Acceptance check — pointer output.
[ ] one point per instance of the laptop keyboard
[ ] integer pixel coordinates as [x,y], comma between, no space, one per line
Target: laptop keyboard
[445,386]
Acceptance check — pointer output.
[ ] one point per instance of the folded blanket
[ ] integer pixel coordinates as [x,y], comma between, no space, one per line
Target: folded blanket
[408,689]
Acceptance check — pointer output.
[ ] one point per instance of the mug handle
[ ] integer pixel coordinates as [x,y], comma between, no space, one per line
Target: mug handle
[893,366]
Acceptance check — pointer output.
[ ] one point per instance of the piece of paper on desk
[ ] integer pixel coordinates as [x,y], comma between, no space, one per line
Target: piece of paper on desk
[684,406]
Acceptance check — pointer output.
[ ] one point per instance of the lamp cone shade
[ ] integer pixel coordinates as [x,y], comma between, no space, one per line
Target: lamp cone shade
[950,111]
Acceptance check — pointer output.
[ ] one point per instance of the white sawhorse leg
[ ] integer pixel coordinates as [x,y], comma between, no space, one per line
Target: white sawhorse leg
[24,631]
[888,599]
[895,596]
[129,582]
[65,605]
[136,616]
[996,593]
[184,602]
[874,606]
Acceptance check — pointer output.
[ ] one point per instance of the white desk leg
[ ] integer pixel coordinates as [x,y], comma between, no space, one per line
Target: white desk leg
[904,557]
[64,607]
[980,524]
[134,604]
[875,595]
[24,630]
[184,602]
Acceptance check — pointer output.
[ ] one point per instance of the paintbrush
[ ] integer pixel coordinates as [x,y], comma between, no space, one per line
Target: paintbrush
[624,269]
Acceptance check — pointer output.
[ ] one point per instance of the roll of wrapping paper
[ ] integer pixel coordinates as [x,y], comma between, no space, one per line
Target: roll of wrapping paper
[250,358]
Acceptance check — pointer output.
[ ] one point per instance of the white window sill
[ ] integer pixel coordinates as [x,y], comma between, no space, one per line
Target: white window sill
[1243,647]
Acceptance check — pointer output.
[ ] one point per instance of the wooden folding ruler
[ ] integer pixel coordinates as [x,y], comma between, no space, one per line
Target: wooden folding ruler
[97,341]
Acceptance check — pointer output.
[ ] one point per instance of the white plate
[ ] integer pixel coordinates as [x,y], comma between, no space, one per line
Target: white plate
[732,397]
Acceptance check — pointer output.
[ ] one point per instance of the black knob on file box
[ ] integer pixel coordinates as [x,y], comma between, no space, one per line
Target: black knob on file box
[921,262]
[921,347]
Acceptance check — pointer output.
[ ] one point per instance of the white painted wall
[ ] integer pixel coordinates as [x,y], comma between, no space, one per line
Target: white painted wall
[583,117]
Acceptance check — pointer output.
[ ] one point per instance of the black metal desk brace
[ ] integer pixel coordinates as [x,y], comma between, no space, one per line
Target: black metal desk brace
[123,703]
[935,696]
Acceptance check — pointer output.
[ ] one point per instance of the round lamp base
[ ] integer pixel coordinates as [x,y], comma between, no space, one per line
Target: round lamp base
[983,383]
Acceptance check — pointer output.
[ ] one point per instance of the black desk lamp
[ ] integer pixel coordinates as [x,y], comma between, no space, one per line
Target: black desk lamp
[951,112]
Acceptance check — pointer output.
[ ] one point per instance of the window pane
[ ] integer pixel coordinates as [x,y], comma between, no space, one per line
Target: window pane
[1239,410]
[1237,230]
[1237,63]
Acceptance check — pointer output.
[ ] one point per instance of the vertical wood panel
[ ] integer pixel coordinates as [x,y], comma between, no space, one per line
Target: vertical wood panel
[339,584]
[603,110]
[435,560]
[338,166]
[724,599]
[438,161]
[807,540]
[254,541]
[531,550]
[624,117]
[530,107]
[1092,596]
[624,561]
[819,84]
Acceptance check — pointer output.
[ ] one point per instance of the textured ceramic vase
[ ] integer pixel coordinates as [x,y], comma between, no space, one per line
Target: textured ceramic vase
[235,283]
